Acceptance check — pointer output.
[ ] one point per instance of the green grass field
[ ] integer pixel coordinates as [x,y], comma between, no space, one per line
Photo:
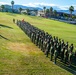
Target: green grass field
[19,56]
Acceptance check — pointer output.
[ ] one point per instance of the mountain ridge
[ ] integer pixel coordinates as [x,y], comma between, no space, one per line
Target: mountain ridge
[40,8]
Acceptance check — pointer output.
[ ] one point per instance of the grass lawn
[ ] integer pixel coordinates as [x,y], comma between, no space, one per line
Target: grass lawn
[19,56]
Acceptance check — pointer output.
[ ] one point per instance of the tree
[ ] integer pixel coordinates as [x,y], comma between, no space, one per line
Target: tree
[12,3]
[51,11]
[47,11]
[55,13]
[73,17]
[20,9]
[44,8]
[28,11]
[65,15]
[71,9]
[2,7]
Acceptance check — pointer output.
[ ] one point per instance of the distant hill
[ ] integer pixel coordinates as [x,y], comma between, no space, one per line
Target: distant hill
[26,7]
[39,8]
[23,7]
[67,11]
[57,8]
[54,7]
[7,6]
[19,6]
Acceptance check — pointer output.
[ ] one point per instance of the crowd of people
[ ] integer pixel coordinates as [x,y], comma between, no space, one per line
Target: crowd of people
[51,45]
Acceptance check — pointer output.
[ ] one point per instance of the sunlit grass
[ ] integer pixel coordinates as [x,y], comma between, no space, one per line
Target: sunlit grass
[19,56]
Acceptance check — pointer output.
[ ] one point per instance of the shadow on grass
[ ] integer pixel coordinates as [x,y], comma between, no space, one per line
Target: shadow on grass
[3,37]
[71,69]
[5,26]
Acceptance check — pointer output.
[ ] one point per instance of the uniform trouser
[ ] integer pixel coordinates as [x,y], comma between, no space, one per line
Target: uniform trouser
[41,46]
[65,59]
[70,61]
[51,57]
[62,57]
[46,52]
[36,42]
[55,59]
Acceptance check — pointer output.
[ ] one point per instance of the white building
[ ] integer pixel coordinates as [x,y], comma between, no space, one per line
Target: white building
[31,12]
[24,11]
[41,13]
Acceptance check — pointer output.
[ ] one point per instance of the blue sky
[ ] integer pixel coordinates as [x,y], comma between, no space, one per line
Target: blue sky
[62,4]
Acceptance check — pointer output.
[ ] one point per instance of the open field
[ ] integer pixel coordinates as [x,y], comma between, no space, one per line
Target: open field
[19,56]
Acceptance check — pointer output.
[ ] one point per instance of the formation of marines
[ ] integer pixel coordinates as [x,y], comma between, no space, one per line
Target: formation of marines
[51,45]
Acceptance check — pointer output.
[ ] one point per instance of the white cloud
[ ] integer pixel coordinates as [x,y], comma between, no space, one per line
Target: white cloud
[67,7]
[44,4]
[74,7]
[64,7]
[3,3]
[38,4]
[48,4]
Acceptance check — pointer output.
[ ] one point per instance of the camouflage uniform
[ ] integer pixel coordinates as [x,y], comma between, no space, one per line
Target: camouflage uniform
[48,49]
[65,55]
[55,56]
[70,58]
[51,52]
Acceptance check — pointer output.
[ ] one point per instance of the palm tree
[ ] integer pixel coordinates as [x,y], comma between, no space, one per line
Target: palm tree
[2,7]
[44,8]
[55,13]
[20,9]
[47,11]
[65,15]
[12,3]
[51,11]
[71,9]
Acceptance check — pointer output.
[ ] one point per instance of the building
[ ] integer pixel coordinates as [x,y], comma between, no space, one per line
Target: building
[30,12]
[24,11]
[41,13]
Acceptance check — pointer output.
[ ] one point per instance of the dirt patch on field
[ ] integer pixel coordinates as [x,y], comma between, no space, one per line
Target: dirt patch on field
[25,48]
